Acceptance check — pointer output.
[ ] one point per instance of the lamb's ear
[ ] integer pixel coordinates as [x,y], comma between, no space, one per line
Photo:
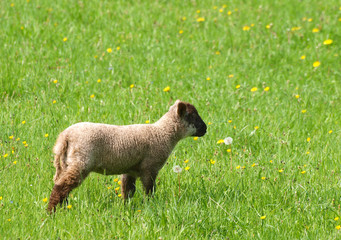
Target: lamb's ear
[181,109]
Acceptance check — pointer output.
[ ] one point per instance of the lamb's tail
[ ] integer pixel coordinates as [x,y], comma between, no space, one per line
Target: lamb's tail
[60,151]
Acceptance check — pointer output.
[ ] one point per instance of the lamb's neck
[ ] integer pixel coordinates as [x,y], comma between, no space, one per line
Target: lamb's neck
[169,127]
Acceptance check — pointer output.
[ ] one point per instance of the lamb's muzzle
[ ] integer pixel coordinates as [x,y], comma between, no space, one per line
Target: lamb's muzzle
[136,151]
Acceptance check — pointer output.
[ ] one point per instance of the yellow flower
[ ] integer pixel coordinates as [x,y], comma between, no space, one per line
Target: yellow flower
[132,85]
[229,121]
[337,218]
[234,127]
[117,188]
[183,18]
[138,210]
[254,89]
[11,137]
[303,172]
[263,178]
[302,57]
[256,127]
[308,139]
[246,28]
[315,30]
[45,200]
[295,28]
[270,161]
[281,170]
[69,206]
[208,78]
[92,95]
[195,138]
[338,227]
[253,165]
[304,111]
[330,131]
[109,50]
[212,161]
[316,64]
[187,168]
[116,180]
[147,121]
[217,53]
[209,123]
[297,96]
[15,162]
[220,141]
[262,217]
[12,4]
[238,167]
[54,101]
[198,11]
[186,161]
[6,155]
[65,39]
[310,19]
[268,26]
[24,142]
[99,80]
[0,198]
[307,152]
[55,81]
[328,42]
[266,89]
[46,135]
[108,188]
[252,25]
[166,89]
[238,86]
[119,182]
[229,13]
[9,218]
[221,10]
[201,19]
[228,150]
[224,6]
[181,31]
[118,48]
[119,195]
[231,76]
[23,122]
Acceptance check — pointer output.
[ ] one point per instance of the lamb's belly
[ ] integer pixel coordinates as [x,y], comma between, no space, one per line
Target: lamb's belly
[116,166]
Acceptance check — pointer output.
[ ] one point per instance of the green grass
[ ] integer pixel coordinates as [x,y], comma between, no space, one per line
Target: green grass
[215,202]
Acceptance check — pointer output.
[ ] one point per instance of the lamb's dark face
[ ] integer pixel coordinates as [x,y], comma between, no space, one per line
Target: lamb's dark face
[194,124]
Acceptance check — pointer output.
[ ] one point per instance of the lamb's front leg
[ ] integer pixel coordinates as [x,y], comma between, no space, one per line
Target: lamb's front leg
[128,186]
[148,178]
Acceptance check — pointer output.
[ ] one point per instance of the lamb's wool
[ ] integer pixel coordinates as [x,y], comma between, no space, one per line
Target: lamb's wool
[138,150]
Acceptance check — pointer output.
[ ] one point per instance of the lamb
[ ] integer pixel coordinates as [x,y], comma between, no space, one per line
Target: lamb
[136,151]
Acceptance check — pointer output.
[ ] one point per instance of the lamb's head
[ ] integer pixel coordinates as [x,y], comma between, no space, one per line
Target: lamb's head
[190,121]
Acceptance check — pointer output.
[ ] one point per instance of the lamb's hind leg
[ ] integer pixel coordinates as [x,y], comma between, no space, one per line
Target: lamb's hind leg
[128,186]
[70,179]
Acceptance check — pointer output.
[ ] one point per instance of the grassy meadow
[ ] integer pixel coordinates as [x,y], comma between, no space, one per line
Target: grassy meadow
[265,73]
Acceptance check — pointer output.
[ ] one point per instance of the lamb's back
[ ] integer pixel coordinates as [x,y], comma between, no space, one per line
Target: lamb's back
[110,148]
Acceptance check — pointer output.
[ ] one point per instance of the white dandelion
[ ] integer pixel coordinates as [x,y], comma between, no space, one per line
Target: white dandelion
[228,141]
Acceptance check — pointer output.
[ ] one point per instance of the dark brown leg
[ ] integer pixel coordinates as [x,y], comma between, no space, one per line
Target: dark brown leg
[128,186]
[148,180]
[69,180]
